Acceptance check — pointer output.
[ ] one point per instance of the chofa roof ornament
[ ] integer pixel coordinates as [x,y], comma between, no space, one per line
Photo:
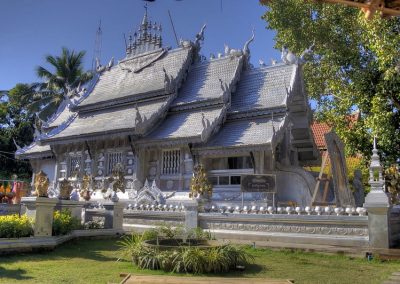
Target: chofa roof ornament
[289,57]
[200,37]
[246,50]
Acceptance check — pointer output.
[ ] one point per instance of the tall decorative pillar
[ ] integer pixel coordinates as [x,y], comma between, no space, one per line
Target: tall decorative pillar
[377,203]
[44,216]
[191,214]
[88,163]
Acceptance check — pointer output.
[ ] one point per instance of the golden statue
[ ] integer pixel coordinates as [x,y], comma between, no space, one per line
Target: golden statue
[65,189]
[85,187]
[41,184]
[117,181]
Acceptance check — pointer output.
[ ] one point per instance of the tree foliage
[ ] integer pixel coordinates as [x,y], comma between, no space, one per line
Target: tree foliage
[355,66]
[59,84]
[15,125]
[19,105]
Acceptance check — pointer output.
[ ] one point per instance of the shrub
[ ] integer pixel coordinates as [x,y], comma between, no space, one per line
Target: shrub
[199,234]
[64,222]
[194,260]
[168,259]
[93,225]
[149,258]
[217,260]
[170,232]
[183,259]
[14,226]
[151,234]
[131,246]
[236,255]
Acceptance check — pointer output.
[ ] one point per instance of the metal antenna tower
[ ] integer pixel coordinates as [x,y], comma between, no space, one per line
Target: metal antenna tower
[97,47]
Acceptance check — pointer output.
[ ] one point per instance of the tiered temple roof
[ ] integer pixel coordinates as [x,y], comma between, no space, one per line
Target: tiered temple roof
[161,96]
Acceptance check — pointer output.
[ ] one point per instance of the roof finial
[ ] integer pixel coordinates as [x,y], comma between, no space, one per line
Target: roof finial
[246,50]
[144,21]
[374,142]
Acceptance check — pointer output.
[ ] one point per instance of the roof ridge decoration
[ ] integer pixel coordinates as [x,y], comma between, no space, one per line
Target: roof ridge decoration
[289,57]
[57,130]
[70,104]
[169,83]
[246,50]
[226,90]
[138,63]
[143,124]
[25,148]
[209,127]
[100,68]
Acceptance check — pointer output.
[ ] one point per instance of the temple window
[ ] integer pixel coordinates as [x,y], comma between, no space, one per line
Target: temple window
[227,171]
[113,158]
[75,164]
[171,162]
[231,163]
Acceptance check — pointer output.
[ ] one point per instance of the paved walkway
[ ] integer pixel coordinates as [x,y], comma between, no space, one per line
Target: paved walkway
[393,279]
[151,279]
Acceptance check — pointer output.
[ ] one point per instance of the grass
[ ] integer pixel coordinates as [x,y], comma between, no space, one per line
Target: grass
[94,261]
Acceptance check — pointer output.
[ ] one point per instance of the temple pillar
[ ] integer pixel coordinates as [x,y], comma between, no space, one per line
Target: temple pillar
[141,165]
[114,215]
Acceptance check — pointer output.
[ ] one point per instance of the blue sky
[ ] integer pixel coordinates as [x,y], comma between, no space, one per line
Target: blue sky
[31,29]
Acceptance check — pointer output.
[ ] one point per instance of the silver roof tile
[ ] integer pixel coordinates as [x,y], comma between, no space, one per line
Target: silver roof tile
[203,82]
[263,88]
[117,83]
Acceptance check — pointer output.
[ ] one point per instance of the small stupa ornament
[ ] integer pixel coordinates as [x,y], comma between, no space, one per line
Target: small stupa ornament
[375,170]
[377,197]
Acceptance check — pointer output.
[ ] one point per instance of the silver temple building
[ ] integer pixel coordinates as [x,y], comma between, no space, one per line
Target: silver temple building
[160,111]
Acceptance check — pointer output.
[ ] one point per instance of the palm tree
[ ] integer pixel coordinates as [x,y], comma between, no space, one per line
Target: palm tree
[58,85]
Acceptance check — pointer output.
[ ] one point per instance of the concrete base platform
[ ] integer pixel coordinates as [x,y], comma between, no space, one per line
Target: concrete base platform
[353,246]
[146,279]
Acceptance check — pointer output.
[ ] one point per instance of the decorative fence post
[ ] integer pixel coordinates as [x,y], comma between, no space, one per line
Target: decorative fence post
[191,215]
[378,205]
[44,216]
[114,215]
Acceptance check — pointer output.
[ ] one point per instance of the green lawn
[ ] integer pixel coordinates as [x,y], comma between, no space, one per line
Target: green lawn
[94,261]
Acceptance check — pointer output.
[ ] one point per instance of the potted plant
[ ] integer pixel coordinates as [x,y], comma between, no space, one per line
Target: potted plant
[65,189]
[117,181]
[85,192]
[200,187]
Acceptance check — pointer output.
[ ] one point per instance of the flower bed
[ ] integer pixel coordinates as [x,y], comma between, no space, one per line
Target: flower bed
[15,226]
[186,255]
[64,222]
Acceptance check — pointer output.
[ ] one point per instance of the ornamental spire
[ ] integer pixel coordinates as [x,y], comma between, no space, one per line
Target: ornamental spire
[146,38]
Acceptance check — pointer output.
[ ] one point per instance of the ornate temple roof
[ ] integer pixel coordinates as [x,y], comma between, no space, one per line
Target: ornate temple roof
[192,126]
[244,134]
[169,97]
[104,123]
[127,82]
[34,151]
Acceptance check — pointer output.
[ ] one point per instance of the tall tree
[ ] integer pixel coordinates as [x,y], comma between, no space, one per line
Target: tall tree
[68,74]
[15,129]
[355,66]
